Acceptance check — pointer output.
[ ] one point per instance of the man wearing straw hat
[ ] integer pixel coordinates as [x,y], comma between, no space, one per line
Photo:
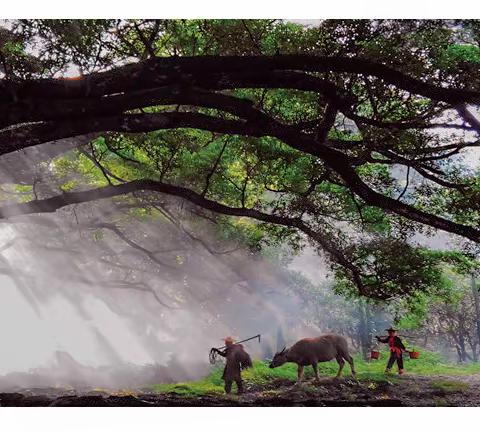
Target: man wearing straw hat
[396,348]
[236,360]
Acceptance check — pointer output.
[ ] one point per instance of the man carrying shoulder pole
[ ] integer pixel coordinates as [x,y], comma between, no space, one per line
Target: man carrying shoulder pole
[236,360]
[396,348]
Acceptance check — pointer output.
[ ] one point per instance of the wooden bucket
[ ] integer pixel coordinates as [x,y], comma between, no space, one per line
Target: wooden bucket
[414,354]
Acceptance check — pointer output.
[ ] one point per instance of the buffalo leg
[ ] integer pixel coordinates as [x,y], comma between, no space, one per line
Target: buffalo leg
[352,366]
[341,364]
[300,374]
[315,369]
[228,386]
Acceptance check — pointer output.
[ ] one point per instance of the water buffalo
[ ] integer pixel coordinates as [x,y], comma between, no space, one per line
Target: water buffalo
[310,351]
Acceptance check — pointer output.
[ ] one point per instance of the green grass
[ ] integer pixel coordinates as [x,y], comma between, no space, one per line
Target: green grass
[210,385]
[450,385]
[261,375]
[428,364]
[440,402]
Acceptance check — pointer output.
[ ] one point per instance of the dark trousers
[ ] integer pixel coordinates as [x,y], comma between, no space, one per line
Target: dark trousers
[393,358]
[228,386]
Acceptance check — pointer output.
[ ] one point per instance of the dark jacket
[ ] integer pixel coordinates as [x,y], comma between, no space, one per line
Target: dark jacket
[397,342]
[236,360]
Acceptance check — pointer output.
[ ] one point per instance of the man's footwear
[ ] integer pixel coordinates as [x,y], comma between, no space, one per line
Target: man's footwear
[387,371]
[400,372]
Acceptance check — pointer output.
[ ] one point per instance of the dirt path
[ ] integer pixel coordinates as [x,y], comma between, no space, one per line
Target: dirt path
[409,390]
[441,390]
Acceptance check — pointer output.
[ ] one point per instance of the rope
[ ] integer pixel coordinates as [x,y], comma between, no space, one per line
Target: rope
[212,356]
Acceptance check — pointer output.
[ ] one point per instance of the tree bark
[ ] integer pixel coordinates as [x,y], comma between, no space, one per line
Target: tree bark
[364,328]
[476,300]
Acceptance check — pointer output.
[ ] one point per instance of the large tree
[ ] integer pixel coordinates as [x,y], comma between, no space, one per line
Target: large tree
[352,135]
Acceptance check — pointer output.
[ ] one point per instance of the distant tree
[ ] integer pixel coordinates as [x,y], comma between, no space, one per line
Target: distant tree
[447,319]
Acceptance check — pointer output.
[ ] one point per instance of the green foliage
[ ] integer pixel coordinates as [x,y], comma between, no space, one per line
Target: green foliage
[242,231]
[411,312]
[264,173]
[460,262]
[23,188]
[16,192]
[387,274]
[98,235]
[68,186]
[457,53]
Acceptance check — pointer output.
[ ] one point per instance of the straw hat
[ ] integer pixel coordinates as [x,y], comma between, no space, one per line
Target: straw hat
[229,340]
[391,329]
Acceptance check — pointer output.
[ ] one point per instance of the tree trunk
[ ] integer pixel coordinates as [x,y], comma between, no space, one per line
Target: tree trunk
[476,299]
[364,328]
[461,343]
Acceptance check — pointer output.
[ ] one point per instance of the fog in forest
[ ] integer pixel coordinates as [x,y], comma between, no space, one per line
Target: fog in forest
[74,325]
[83,305]
[92,297]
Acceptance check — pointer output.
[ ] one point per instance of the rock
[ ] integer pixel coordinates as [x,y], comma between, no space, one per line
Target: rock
[36,401]
[127,401]
[11,399]
[80,401]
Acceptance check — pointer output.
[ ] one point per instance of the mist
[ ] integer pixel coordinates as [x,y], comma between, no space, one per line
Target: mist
[90,303]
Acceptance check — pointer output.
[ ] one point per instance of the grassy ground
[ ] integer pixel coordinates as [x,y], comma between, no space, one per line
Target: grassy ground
[264,378]
[449,385]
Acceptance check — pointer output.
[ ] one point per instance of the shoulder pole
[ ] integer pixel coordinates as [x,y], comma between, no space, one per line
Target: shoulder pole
[212,355]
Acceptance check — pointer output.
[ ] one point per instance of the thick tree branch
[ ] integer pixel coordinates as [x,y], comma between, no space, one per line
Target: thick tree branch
[152,72]
[34,134]
[336,160]
[468,117]
[69,109]
[54,203]
[341,164]
[96,103]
